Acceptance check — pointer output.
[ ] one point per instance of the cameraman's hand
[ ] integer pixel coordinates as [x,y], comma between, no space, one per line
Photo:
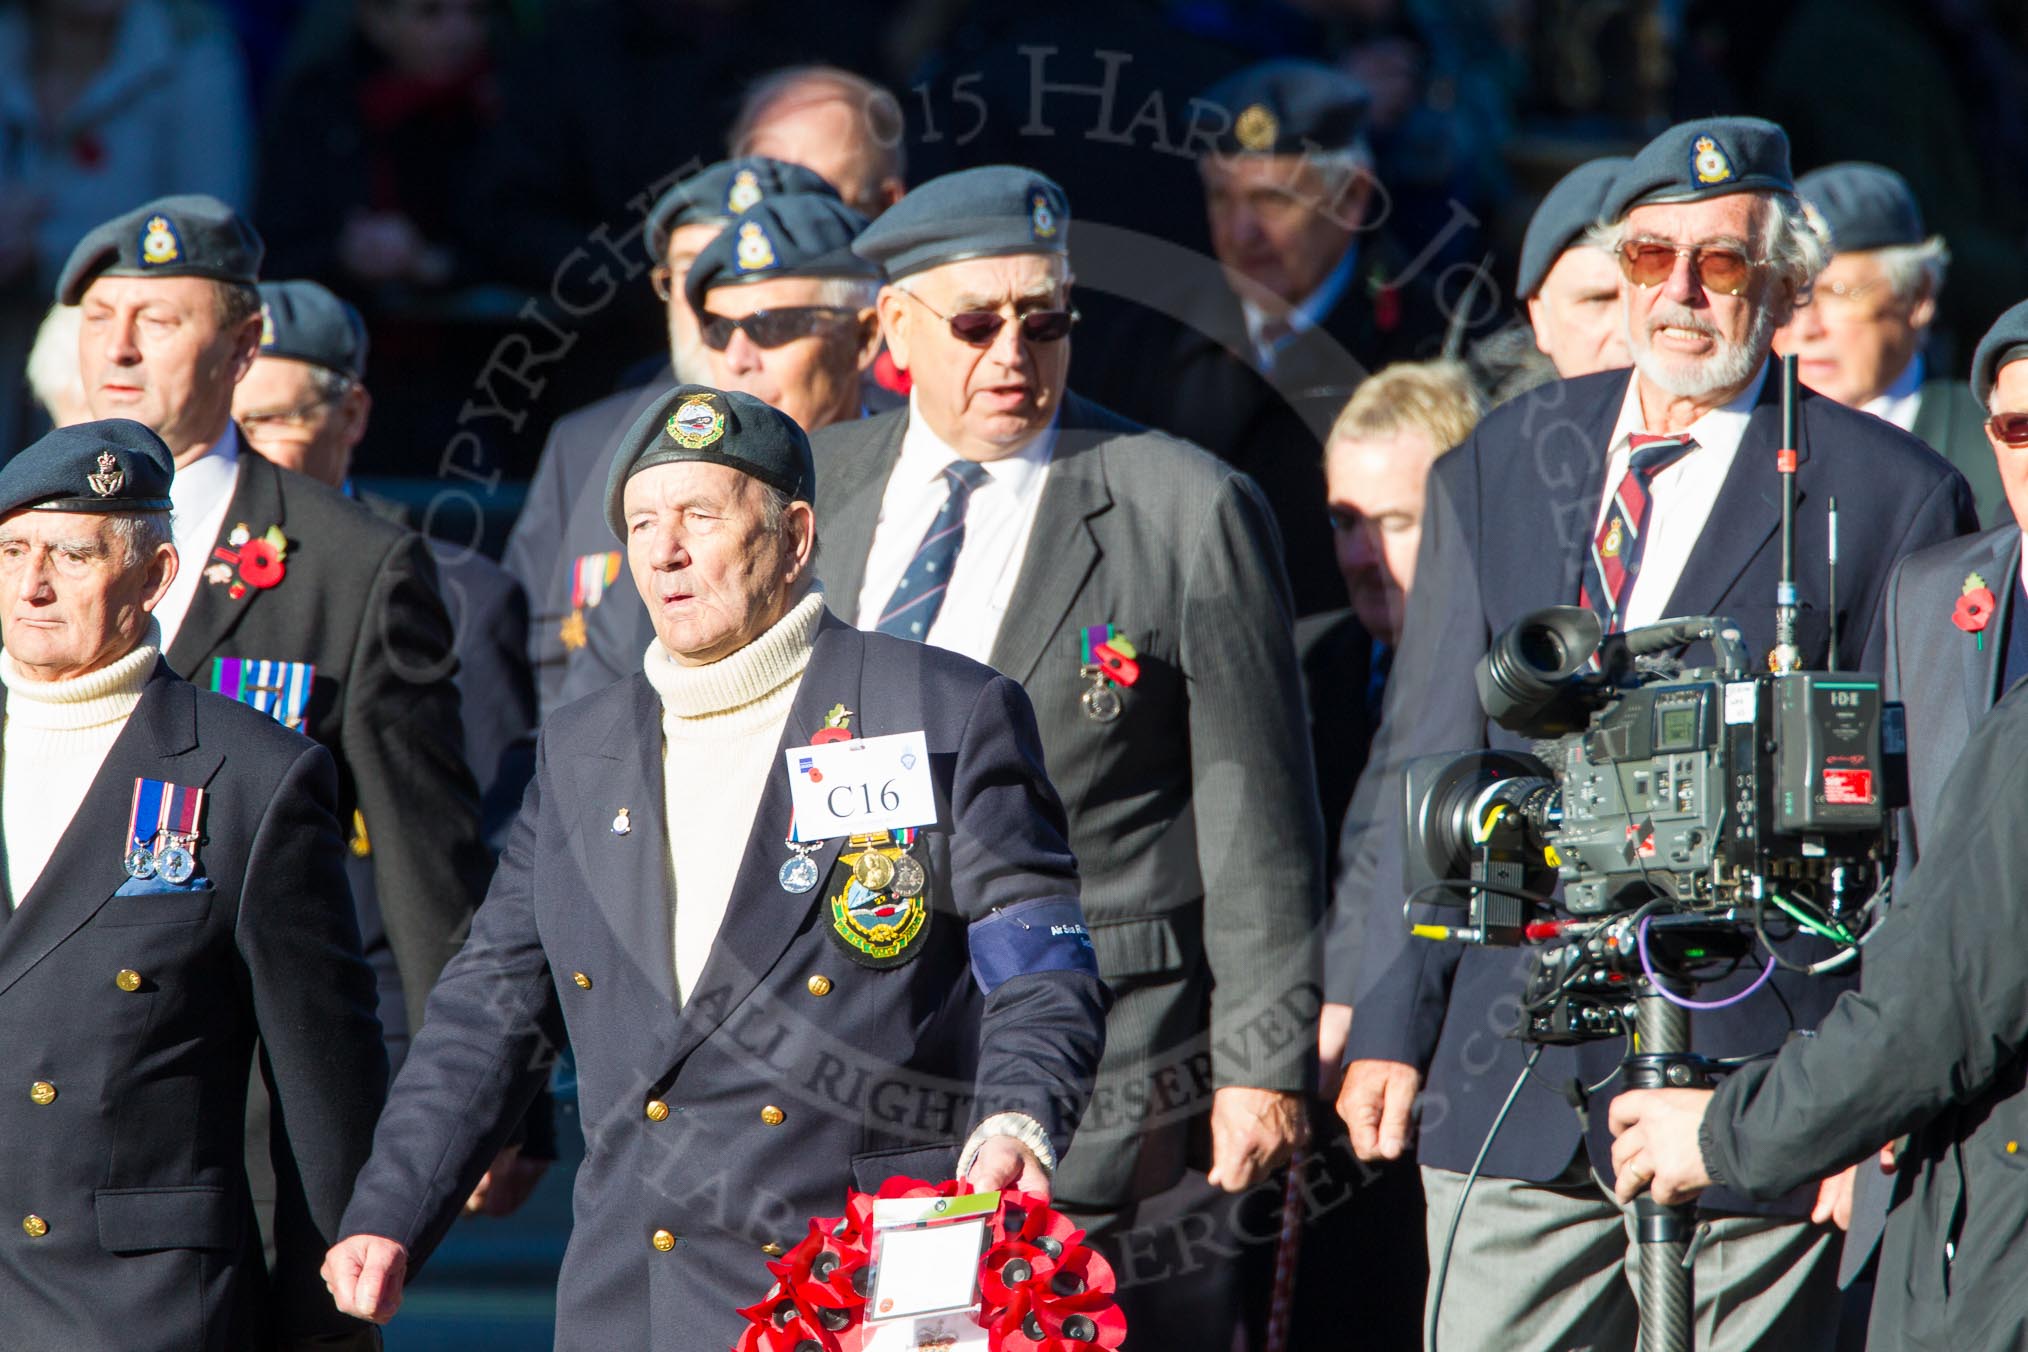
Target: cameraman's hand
[1834,1199]
[1375,1104]
[1655,1144]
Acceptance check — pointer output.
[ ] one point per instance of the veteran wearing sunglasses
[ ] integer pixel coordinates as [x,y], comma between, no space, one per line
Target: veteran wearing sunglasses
[783,310]
[1860,335]
[1134,585]
[1641,494]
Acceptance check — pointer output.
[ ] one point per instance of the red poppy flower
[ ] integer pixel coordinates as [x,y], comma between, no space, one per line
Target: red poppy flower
[1974,610]
[1387,309]
[260,565]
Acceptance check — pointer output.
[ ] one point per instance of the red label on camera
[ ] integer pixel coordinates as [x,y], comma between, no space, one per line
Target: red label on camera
[1848,786]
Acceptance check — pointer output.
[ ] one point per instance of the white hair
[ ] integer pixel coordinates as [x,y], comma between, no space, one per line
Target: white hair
[1915,270]
[53,375]
[140,534]
[847,293]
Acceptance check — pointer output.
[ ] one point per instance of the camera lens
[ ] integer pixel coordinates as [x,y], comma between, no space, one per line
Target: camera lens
[1528,666]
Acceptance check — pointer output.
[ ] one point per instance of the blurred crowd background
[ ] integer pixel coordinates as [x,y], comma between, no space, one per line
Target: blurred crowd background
[472,173]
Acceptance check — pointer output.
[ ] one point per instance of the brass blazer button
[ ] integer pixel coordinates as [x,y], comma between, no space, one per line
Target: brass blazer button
[657,1110]
[820,985]
[34,1226]
[42,1092]
[583,981]
[128,980]
[662,1240]
[773,1116]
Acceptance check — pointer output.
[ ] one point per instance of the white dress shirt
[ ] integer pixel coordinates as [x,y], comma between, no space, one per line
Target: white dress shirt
[1307,314]
[1680,497]
[199,496]
[1899,402]
[998,521]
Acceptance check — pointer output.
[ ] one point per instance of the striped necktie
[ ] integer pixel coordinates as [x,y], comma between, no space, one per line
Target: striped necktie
[1615,558]
[920,594]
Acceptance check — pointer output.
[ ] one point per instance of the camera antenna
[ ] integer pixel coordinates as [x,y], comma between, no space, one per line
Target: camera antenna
[1786,656]
[1831,663]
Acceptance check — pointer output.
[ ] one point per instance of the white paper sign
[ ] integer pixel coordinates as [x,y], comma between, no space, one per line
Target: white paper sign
[861,787]
[927,1271]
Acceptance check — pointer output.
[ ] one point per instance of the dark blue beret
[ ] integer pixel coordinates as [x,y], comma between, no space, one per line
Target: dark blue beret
[2004,344]
[718,192]
[1707,158]
[303,320]
[795,235]
[1567,211]
[988,212]
[1864,206]
[720,427]
[1286,107]
[113,466]
[186,236]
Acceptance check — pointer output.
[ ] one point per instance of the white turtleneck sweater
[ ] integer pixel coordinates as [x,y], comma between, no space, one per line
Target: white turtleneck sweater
[721,724]
[56,737]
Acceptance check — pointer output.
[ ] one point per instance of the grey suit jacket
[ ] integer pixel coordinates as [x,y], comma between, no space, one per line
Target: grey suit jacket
[1193,815]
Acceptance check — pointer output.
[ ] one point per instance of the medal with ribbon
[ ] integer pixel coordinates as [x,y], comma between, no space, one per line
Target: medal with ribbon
[278,689]
[162,831]
[1110,664]
[881,919]
[590,576]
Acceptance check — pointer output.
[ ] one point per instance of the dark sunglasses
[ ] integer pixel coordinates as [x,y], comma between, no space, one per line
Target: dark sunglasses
[980,327]
[2011,428]
[773,328]
[1725,271]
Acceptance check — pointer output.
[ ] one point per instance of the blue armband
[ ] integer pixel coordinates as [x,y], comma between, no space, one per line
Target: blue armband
[1045,935]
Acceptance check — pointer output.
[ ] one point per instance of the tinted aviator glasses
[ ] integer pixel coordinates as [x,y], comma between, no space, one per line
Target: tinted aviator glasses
[2011,428]
[773,328]
[1647,262]
[980,327]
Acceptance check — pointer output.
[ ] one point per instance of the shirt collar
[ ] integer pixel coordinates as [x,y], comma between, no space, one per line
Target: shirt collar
[924,455]
[1308,313]
[1721,427]
[209,479]
[1905,386]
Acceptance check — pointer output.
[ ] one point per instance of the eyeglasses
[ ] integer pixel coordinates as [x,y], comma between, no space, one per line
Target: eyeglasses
[2011,428]
[297,418]
[980,327]
[1723,270]
[1838,295]
[773,328]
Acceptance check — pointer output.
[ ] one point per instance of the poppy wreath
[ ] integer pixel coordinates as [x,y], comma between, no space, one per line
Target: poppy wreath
[1041,1288]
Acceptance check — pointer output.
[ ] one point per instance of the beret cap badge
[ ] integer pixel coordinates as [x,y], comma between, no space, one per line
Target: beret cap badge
[696,424]
[744,192]
[1256,128]
[1040,217]
[110,477]
[1708,162]
[159,245]
[756,251]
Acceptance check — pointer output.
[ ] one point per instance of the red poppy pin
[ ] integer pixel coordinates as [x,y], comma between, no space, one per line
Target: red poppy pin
[1974,610]
[1387,309]
[261,562]
[837,726]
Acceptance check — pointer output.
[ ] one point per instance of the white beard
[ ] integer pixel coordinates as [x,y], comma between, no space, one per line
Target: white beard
[1728,368]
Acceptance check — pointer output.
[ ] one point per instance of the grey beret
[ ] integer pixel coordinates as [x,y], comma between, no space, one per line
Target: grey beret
[305,321]
[1567,211]
[794,235]
[1707,158]
[988,212]
[2004,344]
[185,236]
[718,192]
[1863,206]
[720,427]
[113,466]
[1286,107]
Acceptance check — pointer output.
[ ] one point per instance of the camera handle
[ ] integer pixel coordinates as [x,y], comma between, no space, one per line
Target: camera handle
[1663,1233]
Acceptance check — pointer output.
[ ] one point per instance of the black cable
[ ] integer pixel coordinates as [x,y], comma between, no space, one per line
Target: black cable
[1436,1298]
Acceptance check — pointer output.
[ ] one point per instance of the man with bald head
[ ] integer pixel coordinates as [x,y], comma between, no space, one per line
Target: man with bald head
[843,126]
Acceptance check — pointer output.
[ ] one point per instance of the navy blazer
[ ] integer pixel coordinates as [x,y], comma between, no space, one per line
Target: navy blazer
[781,1090]
[1509,519]
[132,1153]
